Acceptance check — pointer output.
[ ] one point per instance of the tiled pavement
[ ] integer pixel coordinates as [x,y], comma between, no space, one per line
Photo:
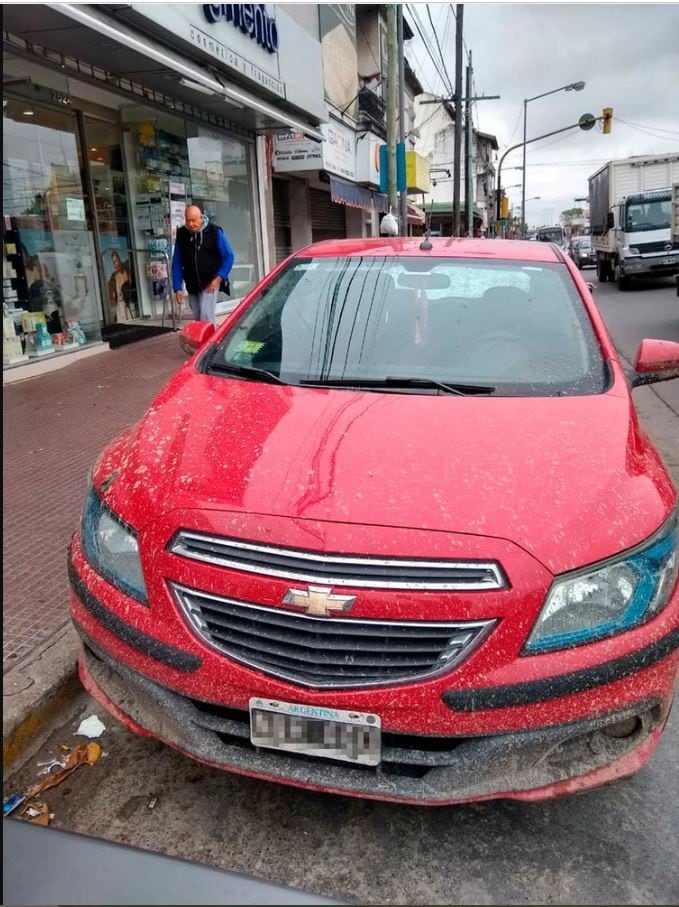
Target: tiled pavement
[55,425]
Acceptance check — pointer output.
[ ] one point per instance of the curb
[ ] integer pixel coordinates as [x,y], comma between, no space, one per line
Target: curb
[35,691]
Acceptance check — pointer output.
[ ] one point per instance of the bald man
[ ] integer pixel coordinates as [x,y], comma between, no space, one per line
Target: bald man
[202,259]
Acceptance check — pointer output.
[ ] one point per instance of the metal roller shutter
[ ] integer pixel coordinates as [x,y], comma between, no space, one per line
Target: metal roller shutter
[281,219]
[327,219]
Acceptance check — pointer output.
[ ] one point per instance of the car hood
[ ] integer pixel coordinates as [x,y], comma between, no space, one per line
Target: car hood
[571,480]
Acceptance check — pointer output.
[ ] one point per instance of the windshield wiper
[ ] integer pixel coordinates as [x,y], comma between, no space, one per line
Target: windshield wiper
[462,390]
[245,371]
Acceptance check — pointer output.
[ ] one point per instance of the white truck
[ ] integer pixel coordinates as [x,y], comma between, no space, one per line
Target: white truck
[675,221]
[630,203]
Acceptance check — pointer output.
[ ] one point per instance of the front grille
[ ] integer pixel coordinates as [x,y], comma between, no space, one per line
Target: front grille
[339,569]
[646,247]
[323,652]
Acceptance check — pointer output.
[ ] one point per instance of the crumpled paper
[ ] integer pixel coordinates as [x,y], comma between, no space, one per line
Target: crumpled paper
[91,727]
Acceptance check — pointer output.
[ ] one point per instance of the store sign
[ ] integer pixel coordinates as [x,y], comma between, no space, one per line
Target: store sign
[251,18]
[261,44]
[339,150]
[417,172]
[293,151]
[336,153]
[368,159]
[234,48]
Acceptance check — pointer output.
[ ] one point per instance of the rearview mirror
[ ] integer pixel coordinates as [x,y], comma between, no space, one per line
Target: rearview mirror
[656,360]
[194,334]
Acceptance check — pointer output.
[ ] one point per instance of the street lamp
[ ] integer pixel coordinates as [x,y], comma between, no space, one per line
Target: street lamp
[572,86]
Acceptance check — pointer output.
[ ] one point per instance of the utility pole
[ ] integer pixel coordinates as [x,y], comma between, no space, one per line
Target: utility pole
[403,198]
[392,78]
[459,12]
[469,188]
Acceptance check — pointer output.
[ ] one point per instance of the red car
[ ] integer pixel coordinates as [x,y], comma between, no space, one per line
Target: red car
[394,532]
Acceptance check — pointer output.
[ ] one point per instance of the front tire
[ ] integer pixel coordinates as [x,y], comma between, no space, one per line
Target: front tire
[621,280]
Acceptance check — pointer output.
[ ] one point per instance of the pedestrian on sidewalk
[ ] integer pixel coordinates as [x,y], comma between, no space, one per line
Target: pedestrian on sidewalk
[202,259]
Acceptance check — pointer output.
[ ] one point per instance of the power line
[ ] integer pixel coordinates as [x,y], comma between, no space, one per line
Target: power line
[436,38]
[654,135]
[645,126]
[429,48]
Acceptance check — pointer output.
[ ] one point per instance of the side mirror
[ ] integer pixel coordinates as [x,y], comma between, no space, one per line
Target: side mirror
[610,220]
[194,334]
[656,360]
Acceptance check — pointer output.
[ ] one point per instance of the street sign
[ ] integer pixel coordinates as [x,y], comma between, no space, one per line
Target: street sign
[587,121]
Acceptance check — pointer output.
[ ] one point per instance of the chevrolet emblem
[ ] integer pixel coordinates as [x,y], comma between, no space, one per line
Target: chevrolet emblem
[318,600]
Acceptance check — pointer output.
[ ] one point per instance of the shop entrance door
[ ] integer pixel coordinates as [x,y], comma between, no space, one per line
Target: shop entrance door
[105,160]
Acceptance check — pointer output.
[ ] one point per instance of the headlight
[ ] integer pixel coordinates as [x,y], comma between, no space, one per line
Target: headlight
[632,251]
[111,548]
[615,596]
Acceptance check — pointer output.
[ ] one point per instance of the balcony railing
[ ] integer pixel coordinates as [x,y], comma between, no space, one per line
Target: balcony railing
[371,106]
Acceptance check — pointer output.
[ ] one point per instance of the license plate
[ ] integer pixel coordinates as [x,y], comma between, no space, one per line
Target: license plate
[316,731]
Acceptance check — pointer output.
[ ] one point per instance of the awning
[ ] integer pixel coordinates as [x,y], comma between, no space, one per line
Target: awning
[343,193]
[416,216]
[184,67]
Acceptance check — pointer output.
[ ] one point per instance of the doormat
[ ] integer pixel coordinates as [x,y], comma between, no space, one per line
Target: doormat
[119,334]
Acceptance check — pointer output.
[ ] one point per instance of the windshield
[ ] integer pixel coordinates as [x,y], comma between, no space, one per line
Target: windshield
[650,215]
[506,327]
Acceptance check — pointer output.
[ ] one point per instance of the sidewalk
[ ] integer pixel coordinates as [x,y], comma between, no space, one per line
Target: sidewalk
[55,425]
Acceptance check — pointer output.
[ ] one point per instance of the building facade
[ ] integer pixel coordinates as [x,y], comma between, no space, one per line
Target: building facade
[114,118]
[332,190]
[435,124]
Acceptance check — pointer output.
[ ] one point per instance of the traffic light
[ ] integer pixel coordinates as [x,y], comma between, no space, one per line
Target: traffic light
[607,120]
[504,207]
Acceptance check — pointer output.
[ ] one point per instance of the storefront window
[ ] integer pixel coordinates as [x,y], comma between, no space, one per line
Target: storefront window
[50,292]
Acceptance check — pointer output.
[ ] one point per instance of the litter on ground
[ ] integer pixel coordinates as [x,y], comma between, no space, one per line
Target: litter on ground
[91,727]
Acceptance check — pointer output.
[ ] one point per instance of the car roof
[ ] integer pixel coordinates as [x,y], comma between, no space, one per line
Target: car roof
[441,247]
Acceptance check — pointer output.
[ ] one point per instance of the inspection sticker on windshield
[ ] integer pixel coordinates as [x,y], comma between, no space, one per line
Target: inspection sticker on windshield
[306,266]
[249,346]
[316,731]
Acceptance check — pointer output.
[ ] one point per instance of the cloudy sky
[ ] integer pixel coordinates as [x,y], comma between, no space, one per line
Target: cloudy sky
[627,53]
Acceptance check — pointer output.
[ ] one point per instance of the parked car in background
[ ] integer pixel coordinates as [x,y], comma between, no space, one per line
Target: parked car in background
[392,532]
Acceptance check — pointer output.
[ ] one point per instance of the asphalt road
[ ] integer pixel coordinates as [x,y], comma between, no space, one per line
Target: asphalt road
[616,845]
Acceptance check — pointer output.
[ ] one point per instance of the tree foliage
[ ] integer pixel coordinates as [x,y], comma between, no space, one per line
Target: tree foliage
[572,213]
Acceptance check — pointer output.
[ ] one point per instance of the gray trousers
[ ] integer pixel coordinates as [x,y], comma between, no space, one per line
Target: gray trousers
[203,305]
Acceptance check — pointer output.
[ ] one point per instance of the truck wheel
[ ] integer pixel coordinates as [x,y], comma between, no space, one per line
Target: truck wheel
[622,281]
[602,270]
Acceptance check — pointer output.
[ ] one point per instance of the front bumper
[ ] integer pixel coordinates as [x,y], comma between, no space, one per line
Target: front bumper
[530,765]
[471,734]
[660,265]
